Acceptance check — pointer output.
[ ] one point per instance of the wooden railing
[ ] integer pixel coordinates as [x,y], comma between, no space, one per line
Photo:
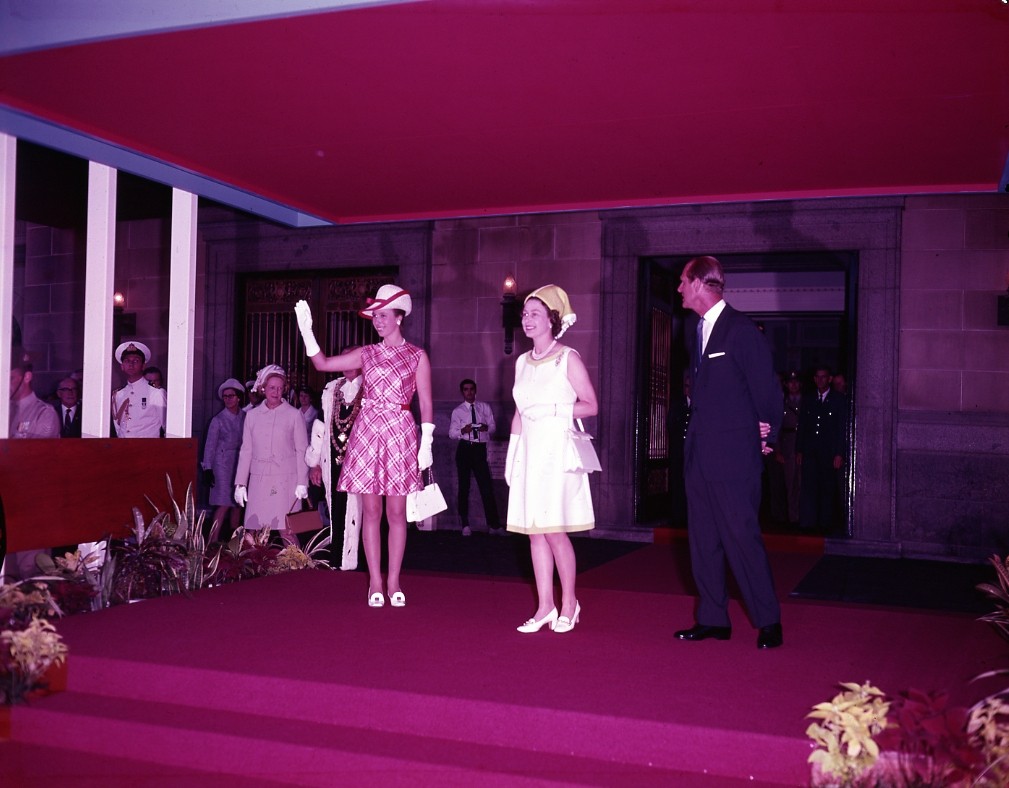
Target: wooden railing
[60,492]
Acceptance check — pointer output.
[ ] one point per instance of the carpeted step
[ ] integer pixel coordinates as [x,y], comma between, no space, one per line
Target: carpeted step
[467,722]
[181,739]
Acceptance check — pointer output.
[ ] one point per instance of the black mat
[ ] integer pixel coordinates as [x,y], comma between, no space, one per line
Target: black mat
[930,585]
[503,556]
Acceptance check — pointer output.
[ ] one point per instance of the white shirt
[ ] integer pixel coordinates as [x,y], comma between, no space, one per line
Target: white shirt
[139,410]
[462,415]
[709,323]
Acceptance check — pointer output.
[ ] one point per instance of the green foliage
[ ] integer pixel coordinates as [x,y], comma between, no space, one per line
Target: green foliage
[846,748]
[917,739]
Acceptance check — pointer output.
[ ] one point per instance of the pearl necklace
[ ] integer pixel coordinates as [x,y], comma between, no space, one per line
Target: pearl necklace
[537,356]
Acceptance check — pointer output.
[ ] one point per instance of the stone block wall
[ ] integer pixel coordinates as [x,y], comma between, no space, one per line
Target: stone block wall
[470,260]
[49,294]
[952,493]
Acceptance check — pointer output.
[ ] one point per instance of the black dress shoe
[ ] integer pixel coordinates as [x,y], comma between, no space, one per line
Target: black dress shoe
[770,636]
[703,632]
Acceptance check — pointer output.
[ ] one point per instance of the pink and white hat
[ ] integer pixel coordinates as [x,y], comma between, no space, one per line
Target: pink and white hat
[388,297]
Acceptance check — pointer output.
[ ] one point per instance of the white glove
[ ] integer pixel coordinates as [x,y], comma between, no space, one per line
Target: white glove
[301,491]
[424,457]
[513,443]
[241,494]
[304,315]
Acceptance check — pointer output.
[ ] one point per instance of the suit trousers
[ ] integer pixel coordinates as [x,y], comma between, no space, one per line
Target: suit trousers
[471,457]
[817,499]
[722,528]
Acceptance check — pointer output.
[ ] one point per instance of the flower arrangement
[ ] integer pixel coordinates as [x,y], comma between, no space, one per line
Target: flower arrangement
[916,739]
[293,557]
[29,643]
[168,555]
[846,733]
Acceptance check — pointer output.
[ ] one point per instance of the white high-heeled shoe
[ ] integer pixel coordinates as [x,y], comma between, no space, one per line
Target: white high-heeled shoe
[376,600]
[398,599]
[565,624]
[532,625]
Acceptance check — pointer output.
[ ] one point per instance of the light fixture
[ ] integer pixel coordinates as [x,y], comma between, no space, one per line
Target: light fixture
[510,313]
[118,300]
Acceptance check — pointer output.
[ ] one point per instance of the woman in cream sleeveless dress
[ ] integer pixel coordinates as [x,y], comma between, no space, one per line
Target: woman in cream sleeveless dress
[551,388]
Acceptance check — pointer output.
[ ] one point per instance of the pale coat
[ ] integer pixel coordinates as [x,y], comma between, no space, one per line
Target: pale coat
[271,464]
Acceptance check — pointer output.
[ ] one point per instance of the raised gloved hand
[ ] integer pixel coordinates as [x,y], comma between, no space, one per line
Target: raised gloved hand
[304,315]
[424,457]
[301,492]
[208,477]
[241,494]
[513,442]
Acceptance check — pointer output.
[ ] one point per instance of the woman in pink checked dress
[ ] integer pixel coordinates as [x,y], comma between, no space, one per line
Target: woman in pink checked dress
[383,461]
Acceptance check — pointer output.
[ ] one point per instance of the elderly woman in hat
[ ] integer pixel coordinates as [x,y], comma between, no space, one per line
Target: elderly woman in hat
[383,460]
[552,388]
[272,476]
[220,455]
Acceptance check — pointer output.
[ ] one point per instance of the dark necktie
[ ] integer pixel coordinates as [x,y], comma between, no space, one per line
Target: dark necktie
[67,420]
[474,433]
[700,342]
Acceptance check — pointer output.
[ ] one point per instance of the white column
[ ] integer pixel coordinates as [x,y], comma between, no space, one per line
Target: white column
[8,166]
[100,266]
[181,315]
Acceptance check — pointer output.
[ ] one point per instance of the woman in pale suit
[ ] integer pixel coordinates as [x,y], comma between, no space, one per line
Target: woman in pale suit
[272,475]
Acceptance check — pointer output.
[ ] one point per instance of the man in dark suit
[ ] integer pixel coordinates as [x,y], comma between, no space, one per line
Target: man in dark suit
[69,409]
[736,399]
[820,450]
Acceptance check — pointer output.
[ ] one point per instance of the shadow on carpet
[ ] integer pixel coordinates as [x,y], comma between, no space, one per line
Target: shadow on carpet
[501,556]
[929,585]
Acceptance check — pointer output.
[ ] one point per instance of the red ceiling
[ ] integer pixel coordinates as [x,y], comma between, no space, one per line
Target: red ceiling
[441,109]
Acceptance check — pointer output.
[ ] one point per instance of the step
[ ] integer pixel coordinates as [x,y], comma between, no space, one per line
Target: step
[470,722]
[299,752]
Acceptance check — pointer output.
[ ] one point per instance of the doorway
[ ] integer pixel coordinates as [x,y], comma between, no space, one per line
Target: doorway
[805,304]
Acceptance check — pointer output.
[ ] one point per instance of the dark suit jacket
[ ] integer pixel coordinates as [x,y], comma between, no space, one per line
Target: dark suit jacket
[734,388]
[75,425]
[823,425]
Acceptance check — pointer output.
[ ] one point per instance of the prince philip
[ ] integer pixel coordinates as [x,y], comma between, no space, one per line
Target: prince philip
[734,390]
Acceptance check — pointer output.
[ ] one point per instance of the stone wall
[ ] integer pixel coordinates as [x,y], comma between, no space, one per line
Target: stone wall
[931,452]
[953,424]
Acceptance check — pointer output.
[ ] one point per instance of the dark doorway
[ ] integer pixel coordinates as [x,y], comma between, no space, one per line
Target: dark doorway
[805,304]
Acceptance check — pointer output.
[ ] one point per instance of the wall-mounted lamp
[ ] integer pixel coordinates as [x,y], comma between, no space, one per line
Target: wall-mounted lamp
[1003,307]
[511,311]
[123,324]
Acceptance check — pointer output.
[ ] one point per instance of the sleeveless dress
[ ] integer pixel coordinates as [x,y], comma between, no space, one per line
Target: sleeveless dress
[543,498]
[382,451]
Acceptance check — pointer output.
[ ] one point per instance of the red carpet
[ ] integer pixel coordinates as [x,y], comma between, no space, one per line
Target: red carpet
[294,680]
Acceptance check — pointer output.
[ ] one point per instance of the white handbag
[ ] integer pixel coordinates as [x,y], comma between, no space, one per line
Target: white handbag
[580,455]
[426,503]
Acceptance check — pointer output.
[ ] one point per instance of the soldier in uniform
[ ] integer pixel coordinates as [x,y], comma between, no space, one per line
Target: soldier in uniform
[786,453]
[30,417]
[820,451]
[341,402]
[138,409]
